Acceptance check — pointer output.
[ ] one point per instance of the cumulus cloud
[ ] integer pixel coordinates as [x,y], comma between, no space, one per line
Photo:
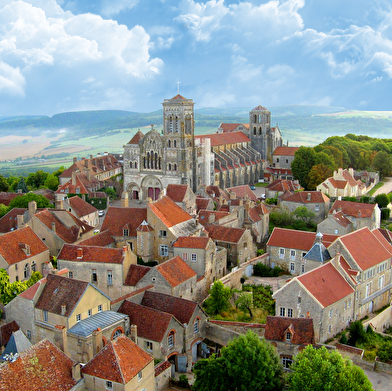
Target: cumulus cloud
[113,7]
[243,70]
[11,80]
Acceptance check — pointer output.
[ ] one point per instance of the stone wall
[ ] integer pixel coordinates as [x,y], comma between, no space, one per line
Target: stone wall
[219,334]
[162,375]
[381,322]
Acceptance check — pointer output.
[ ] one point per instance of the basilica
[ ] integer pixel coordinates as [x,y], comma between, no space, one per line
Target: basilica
[227,158]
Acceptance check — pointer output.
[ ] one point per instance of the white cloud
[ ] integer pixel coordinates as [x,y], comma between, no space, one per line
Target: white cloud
[244,71]
[114,7]
[11,80]
[222,99]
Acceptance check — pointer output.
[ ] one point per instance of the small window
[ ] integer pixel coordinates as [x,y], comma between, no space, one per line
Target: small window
[163,250]
[149,346]
[110,277]
[109,385]
[292,267]
[70,275]
[100,308]
[185,256]
[94,277]
[317,208]
[303,268]
[170,339]
[125,232]
[89,312]
[140,376]
[292,255]
[193,257]
[28,334]
[117,333]
[282,311]
[26,271]
[329,329]
[162,233]
[78,317]
[33,266]
[299,300]
[336,231]
[288,337]
[45,313]
[289,313]
[196,326]
[330,314]
[281,253]
[286,362]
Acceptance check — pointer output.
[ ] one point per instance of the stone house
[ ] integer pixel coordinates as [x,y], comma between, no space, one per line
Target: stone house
[280,186]
[9,222]
[22,253]
[322,294]
[6,331]
[220,217]
[289,336]
[283,156]
[238,242]
[257,220]
[81,209]
[315,201]
[203,203]
[66,311]
[243,192]
[183,196]
[106,268]
[101,239]
[359,214]
[287,248]
[120,365]
[342,184]
[335,223]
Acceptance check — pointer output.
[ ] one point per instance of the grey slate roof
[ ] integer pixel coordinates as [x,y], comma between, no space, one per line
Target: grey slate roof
[85,327]
[318,252]
[17,343]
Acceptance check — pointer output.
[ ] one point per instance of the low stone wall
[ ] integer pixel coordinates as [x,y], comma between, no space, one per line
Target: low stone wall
[382,321]
[383,367]
[219,334]
[350,349]
[162,375]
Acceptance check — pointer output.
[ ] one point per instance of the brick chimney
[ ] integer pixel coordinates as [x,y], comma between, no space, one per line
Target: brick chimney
[75,159]
[60,338]
[124,199]
[32,208]
[134,333]
[73,179]
[79,253]
[97,340]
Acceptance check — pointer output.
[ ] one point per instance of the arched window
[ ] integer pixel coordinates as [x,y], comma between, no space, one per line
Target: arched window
[260,131]
[196,326]
[33,266]
[169,143]
[175,143]
[117,333]
[159,163]
[148,159]
[170,339]
[135,164]
[175,167]
[177,125]
[169,167]
[156,161]
[144,162]
[130,165]
[255,118]
[27,271]
[254,130]
[170,124]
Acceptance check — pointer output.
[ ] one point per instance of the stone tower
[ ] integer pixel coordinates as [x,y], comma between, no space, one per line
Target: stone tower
[260,130]
[179,136]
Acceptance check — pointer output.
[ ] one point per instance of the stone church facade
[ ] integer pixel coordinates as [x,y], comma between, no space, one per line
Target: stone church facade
[175,156]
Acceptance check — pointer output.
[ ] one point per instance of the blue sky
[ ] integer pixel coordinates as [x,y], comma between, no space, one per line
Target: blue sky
[58,56]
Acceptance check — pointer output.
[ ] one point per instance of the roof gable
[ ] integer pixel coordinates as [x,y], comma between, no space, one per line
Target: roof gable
[224,234]
[176,192]
[135,274]
[175,271]
[301,329]
[200,242]
[285,151]
[81,207]
[117,218]
[354,209]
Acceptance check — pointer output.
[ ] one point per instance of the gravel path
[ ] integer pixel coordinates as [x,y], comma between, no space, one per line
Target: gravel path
[385,188]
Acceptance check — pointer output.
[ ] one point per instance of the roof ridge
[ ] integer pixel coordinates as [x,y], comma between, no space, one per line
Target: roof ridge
[118,360]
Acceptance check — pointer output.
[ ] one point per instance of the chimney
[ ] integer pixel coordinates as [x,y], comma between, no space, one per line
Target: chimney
[134,333]
[60,204]
[79,253]
[32,208]
[308,315]
[105,153]
[73,181]
[53,226]
[76,376]
[211,218]
[19,221]
[63,309]
[97,340]
[124,199]
[75,159]
[125,251]
[309,196]
[60,338]
[86,163]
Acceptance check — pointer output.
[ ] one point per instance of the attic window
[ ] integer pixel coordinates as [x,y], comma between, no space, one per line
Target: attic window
[288,337]
[125,232]
[109,385]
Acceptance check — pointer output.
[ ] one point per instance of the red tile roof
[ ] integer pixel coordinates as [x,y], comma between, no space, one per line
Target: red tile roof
[119,361]
[77,253]
[6,332]
[355,209]
[227,127]
[13,243]
[366,249]
[176,192]
[294,239]
[200,242]
[346,267]
[301,328]
[135,273]
[151,324]
[341,219]
[176,271]
[283,185]
[285,151]
[41,367]
[242,192]
[81,207]
[225,138]
[201,203]
[102,239]
[9,221]
[136,138]
[326,284]
[73,188]
[169,212]
[181,309]
[60,291]
[305,197]
[117,218]
[6,198]
[204,215]
[224,234]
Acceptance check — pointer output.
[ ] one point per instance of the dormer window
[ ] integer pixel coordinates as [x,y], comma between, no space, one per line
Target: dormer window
[125,232]
[288,337]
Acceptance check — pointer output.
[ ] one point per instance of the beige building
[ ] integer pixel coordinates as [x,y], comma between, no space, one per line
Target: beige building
[23,253]
[81,209]
[183,196]
[283,156]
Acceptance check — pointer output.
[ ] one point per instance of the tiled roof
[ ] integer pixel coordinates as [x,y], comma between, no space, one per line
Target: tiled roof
[277,171]
[151,324]
[224,234]
[77,253]
[354,209]
[260,108]
[102,239]
[6,332]
[73,188]
[283,185]
[346,267]
[349,178]
[13,243]
[200,242]
[387,234]
[365,248]
[227,127]
[178,96]
[169,212]
[175,271]
[81,207]
[117,218]
[341,219]
[225,138]
[6,198]
[181,309]
[318,253]
[60,291]
[326,284]
[285,151]
[305,197]
[136,138]
[201,203]
[204,215]
[135,273]
[176,192]
[294,239]
[67,234]
[9,221]
[119,361]
[302,330]
[242,192]
[42,367]
[144,227]
[215,191]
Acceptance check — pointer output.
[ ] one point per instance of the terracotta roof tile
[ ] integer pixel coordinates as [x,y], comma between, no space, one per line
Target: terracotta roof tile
[242,192]
[40,367]
[119,361]
[341,219]
[169,212]
[136,138]
[176,271]
[81,207]
[305,197]
[326,284]
[225,138]
[176,192]
[302,330]
[135,273]
[346,267]
[200,242]
[354,209]
[285,151]
[227,127]
[60,291]
[181,309]
[162,367]
[6,332]
[151,324]
[9,221]
[12,245]
[117,218]
[204,215]
[102,239]
[224,234]
[78,253]
[6,198]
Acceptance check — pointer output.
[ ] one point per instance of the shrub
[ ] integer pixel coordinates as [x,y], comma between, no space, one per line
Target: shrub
[384,352]
[357,333]
[382,200]
[385,213]
[343,339]
[183,381]
[365,199]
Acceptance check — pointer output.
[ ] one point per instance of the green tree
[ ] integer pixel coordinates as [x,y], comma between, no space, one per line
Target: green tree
[3,210]
[304,160]
[4,186]
[51,182]
[318,174]
[22,201]
[245,303]
[323,369]
[219,299]
[247,363]
[382,200]
[58,172]
[325,159]
[37,179]
[303,213]
[384,352]
[382,162]
[357,333]
[21,186]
